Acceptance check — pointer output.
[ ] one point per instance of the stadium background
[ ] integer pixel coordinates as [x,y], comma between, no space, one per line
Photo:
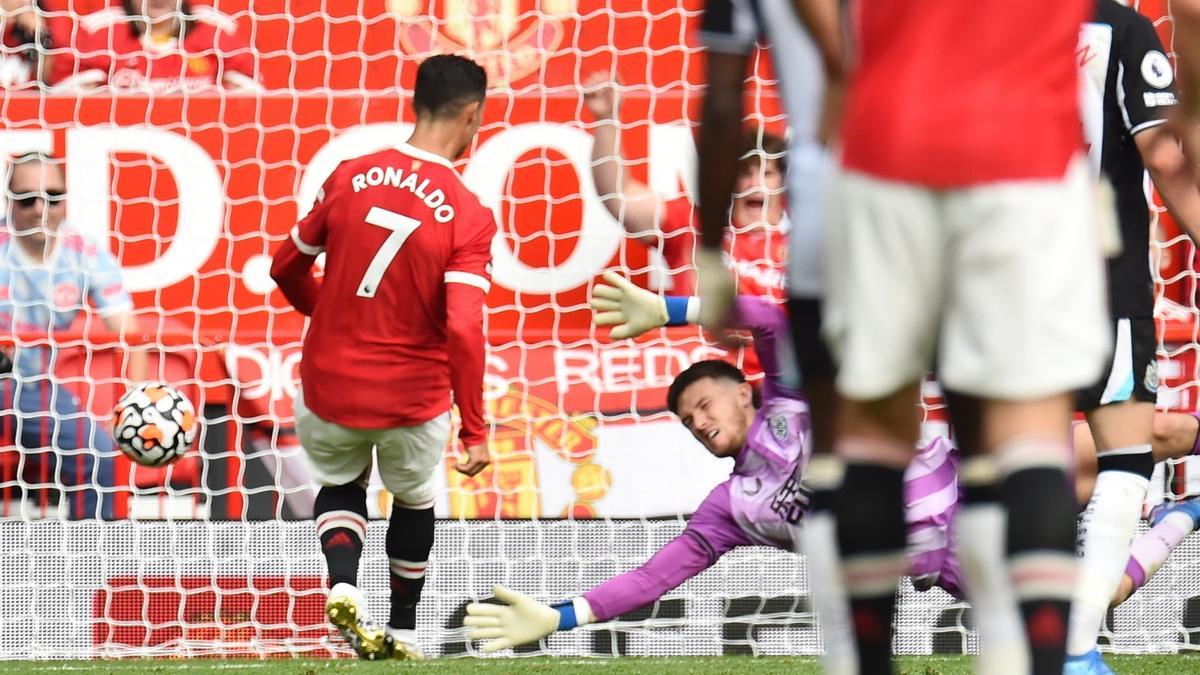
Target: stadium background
[198,190]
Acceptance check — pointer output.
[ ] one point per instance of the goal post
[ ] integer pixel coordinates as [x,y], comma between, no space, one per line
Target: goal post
[193,192]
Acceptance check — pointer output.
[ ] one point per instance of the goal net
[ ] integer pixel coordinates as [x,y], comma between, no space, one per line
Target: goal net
[192,189]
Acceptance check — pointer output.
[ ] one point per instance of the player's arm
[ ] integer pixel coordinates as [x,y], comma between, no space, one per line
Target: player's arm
[711,533]
[628,199]
[291,267]
[1149,99]
[632,311]
[1185,16]
[824,22]
[468,280]
[1173,176]
[717,146]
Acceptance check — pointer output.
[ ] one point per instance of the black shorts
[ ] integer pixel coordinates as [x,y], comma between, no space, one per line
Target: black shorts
[1132,374]
[812,354]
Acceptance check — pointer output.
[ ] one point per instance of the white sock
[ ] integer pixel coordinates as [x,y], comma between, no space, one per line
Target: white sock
[818,543]
[350,590]
[406,635]
[1105,534]
[1003,648]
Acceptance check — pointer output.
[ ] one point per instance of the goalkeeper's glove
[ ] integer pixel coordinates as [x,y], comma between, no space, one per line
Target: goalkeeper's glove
[635,310]
[714,282]
[521,619]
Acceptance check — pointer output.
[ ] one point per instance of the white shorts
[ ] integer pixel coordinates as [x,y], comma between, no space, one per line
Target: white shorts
[809,166]
[1005,280]
[408,456]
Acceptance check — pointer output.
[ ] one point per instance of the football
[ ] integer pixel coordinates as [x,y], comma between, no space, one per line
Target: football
[154,424]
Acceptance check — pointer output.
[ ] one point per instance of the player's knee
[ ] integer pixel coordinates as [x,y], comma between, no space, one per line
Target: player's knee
[1175,436]
[411,494]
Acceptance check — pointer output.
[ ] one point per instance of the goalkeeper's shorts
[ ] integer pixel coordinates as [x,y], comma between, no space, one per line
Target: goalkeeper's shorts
[408,456]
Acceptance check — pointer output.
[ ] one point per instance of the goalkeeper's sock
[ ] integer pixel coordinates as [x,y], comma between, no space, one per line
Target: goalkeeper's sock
[1041,544]
[818,544]
[409,541]
[340,512]
[1105,533]
[1151,550]
[871,538]
[979,528]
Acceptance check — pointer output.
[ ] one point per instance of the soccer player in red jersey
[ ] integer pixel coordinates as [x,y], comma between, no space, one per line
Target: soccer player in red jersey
[396,327]
[964,218]
[155,47]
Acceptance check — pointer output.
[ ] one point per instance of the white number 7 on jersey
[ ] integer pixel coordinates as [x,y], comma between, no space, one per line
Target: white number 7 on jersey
[401,227]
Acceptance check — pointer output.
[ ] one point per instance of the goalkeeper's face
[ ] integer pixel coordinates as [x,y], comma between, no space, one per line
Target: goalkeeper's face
[719,413]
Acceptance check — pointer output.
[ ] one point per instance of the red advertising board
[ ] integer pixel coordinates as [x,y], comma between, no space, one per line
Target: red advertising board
[221,616]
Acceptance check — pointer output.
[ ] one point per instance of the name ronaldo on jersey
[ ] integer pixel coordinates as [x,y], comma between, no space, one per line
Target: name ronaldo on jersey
[395,176]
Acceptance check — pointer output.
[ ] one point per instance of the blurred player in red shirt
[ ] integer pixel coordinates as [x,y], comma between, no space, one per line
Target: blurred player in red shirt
[965,220]
[755,249]
[155,47]
[397,326]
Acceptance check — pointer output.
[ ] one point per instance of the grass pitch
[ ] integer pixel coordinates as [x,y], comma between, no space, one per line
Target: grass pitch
[696,665]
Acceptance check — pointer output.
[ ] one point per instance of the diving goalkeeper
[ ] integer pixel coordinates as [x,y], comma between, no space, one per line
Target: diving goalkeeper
[761,503]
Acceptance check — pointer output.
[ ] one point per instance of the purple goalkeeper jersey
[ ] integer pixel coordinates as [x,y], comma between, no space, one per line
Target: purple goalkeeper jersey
[762,501]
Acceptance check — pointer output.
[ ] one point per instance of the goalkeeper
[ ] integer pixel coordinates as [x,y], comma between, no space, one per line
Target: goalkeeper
[761,503]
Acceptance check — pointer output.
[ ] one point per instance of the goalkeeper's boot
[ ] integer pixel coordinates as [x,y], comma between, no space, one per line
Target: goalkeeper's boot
[1191,507]
[1088,664]
[402,644]
[347,610]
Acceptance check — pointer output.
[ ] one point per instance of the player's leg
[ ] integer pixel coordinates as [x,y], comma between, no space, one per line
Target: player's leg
[808,191]
[1120,411]
[1169,527]
[341,464]
[979,527]
[818,536]
[1176,435]
[52,418]
[408,461]
[884,282]
[1025,324]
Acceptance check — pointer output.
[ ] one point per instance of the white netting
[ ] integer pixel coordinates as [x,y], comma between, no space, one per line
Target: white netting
[192,189]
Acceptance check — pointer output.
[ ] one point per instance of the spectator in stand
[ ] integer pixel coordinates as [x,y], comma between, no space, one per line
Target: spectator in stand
[50,275]
[756,247]
[24,52]
[158,47]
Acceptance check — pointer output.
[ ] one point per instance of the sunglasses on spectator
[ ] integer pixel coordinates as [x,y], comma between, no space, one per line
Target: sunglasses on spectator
[26,200]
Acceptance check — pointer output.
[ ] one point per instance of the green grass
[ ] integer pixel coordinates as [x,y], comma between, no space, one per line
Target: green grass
[699,665]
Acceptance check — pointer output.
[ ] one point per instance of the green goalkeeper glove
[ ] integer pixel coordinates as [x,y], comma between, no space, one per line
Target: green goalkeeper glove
[631,309]
[521,619]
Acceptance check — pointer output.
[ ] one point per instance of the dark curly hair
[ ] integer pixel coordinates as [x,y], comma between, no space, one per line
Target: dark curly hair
[712,369]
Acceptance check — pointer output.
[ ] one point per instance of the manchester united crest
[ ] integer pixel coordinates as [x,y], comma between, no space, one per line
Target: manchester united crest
[510,38]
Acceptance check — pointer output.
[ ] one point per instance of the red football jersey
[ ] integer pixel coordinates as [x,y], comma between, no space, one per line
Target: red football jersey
[950,94]
[210,53]
[397,321]
[758,257]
